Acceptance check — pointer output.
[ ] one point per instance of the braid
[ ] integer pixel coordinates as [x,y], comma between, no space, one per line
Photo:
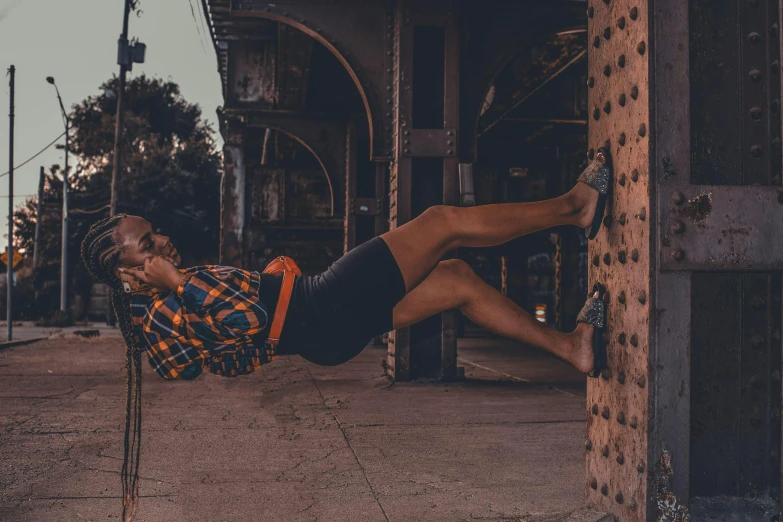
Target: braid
[101,255]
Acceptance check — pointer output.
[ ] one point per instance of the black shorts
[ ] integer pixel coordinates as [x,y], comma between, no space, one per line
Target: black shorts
[334,315]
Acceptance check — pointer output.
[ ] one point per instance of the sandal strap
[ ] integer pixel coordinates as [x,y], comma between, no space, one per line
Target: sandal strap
[593,312]
[596,175]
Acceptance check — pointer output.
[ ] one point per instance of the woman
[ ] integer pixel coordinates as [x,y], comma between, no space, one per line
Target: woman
[216,317]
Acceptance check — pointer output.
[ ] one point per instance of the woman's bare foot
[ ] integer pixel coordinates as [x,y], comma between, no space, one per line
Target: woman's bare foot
[582,355]
[585,201]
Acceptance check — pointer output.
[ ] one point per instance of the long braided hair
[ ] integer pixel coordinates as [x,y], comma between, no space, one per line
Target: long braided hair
[101,255]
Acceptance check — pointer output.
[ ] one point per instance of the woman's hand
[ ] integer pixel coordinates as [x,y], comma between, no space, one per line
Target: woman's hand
[159,272]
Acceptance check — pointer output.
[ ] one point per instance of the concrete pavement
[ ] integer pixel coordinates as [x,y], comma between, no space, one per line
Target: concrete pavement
[294,441]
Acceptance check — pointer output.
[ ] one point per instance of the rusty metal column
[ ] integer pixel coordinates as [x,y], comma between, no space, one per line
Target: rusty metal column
[618,425]
[425,169]
[686,420]
[232,195]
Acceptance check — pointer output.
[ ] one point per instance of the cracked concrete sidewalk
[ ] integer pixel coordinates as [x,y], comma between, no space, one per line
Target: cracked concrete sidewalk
[294,441]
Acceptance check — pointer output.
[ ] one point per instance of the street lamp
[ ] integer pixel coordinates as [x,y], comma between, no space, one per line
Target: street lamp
[64,254]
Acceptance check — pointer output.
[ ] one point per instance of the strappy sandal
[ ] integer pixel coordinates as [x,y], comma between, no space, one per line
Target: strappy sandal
[594,313]
[598,175]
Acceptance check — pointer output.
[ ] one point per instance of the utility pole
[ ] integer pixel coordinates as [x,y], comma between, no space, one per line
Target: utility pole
[64,251]
[10,272]
[38,213]
[127,54]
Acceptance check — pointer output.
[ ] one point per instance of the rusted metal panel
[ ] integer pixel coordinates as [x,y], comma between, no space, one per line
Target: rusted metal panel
[252,72]
[268,195]
[360,34]
[716,120]
[618,402]
[430,142]
[721,227]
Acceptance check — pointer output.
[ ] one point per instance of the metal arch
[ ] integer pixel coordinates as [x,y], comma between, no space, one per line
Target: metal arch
[367,57]
[323,136]
[488,56]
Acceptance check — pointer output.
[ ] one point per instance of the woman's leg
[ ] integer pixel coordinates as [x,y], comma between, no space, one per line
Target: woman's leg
[453,284]
[419,245]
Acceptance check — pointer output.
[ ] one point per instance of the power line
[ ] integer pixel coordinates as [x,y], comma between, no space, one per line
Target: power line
[198,29]
[28,160]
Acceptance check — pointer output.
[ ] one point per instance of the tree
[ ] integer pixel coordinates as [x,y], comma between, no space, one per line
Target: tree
[170,176]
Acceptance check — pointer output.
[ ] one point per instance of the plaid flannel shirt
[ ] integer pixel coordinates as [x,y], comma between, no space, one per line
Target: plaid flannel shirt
[206,324]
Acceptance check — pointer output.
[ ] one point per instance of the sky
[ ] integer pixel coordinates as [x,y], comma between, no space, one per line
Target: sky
[76,42]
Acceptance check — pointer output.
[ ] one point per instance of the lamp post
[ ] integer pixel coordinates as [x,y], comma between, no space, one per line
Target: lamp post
[64,254]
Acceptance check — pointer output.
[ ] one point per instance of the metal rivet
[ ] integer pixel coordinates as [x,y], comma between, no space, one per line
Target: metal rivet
[591,82]
[634,422]
[621,256]
[619,497]
[632,505]
[621,420]
[621,338]
[607,2]
[605,412]
[678,227]
[621,100]
[642,130]
[755,75]
[621,139]
[590,12]
[756,151]
[621,297]
[754,37]
[607,259]
[449,152]
[642,215]
[607,107]
[597,42]
[642,297]
[621,181]
[640,467]
[607,221]
[607,33]
[604,490]
[678,254]
[621,378]
[634,340]
[593,483]
[621,60]
[621,219]
[588,445]
[635,175]
[605,451]
[607,70]
[634,92]
[596,260]
[678,198]
[634,13]
[594,409]
[621,22]
[606,374]
[641,47]
[634,255]
[641,382]
[620,458]
[755,113]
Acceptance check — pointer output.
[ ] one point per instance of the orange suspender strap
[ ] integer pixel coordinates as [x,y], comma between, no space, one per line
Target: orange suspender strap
[289,276]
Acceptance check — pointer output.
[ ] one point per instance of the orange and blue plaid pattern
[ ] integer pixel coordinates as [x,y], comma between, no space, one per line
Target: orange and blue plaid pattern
[208,323]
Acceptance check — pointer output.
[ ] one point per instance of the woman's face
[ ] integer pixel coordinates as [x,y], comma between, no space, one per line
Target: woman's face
[138,241]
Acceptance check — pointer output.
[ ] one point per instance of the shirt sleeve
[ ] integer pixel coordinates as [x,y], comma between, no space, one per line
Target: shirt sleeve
[225,301]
